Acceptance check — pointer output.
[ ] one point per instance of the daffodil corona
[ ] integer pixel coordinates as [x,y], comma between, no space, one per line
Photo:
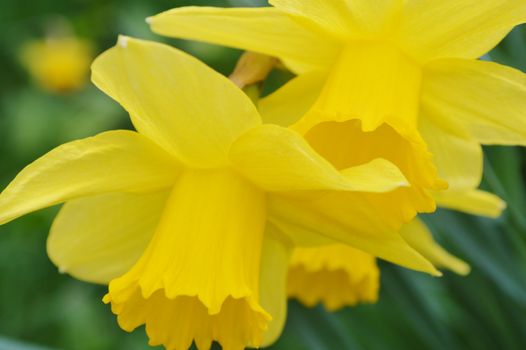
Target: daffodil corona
[191,218]
[395,79]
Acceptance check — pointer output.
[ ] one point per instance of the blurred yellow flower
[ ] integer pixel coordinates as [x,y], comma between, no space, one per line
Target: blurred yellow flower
[58,64]
[190,219]
[395,79]
[335,275]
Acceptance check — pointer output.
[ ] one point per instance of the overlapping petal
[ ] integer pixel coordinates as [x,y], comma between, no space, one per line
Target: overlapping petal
[351,218]
[289,103]
[456,153]
[263,30]
[99,238]
[476,202]
[457,28]
[275,257]
[344,19]
[420,238]
[279,159]
[189,109]
[488,99]
[109,162]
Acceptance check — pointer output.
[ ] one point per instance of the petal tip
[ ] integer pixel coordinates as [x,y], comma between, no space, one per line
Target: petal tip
[149,20]
[122,41]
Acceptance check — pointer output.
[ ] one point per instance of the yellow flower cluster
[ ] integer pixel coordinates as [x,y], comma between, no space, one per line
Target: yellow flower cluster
[215,210]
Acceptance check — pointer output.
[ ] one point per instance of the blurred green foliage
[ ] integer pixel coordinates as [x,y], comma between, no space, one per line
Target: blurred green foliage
[41,309]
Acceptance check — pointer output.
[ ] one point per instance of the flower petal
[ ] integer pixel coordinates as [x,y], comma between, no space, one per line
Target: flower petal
[344,19]
[99,238]
[350,218]
[273,281]
[109,162]
[336,275]
[488,99]
[456,154]
[457,28]
[176,100]
[290,102]
[264,30]
[420,238]
[279,159]
[474,202]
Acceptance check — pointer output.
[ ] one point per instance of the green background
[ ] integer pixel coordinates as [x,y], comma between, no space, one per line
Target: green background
[42,309]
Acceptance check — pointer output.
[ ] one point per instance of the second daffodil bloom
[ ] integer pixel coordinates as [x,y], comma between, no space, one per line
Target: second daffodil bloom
[396,79]
[191,218]
[58,64]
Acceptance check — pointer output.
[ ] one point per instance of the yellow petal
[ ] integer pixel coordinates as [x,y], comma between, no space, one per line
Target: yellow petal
[99,238]
[457,28]
[335,275]
[350,218]
[419,237]
[278,159]
[264,30]
[109,162]
[488,99]
[273,281]
[344,19]
[379,175]
[456,154]
[290,102]
[201,269]
[474,202]
[176,100]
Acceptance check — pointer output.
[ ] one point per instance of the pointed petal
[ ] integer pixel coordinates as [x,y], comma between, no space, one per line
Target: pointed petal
[343,19]
[290,102]
[457,28]
[348,218]
[488,99]
[99,238]
[456,154]
[474,202]
[264,30]
[273,281]
[176,100]
[420,238]
[279,159]
[109,162]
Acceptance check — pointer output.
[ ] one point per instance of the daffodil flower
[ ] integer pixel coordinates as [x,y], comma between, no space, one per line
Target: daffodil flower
[58,64]
[396,79]
[336,275]
[191,218]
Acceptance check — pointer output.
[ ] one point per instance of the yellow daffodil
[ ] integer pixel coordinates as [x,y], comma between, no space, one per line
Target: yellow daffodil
[338,275]
[58,64]
[191,218]
[335,275]
[392,78]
